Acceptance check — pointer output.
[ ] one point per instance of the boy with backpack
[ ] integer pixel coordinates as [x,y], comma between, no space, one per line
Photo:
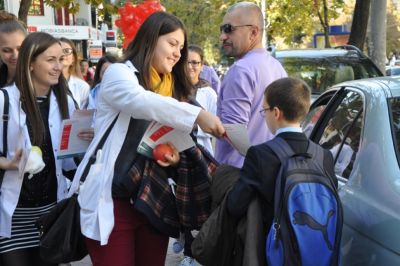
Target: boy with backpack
[295,182]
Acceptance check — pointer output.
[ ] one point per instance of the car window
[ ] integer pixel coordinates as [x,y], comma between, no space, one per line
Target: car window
[393,71]
[322,73]
[311,119]
[341,134]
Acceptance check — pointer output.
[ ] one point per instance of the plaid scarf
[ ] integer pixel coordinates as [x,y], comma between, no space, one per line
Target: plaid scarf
[189,207]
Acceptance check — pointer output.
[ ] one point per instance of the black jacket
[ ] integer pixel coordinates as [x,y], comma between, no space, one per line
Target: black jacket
[224,240]
[258,175]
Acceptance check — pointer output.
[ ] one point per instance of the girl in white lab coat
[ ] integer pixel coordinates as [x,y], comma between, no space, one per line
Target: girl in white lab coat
[78,87]
[38,104]
[154,67]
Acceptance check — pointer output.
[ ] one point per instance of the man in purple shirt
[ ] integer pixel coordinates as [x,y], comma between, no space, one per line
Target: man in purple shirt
[241,95]
[208,73]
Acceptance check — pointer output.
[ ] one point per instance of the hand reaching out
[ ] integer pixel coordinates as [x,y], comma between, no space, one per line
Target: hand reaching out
[210,123]
[13,163]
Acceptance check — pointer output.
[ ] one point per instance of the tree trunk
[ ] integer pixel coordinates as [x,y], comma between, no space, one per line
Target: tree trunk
[378,33]
[23,10]
[360,23]
[323,19]
[326,26]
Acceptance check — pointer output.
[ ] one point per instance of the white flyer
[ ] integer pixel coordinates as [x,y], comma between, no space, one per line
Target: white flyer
[236,135]
[157,133]
[70,144]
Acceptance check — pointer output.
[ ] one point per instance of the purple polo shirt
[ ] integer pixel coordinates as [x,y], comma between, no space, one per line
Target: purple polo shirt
[241,97]
[208,73]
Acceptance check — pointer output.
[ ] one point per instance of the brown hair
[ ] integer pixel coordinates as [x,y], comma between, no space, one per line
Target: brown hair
[141,51]
[75,68]
[34,45]
[291,95]
[9,23]
[198,50]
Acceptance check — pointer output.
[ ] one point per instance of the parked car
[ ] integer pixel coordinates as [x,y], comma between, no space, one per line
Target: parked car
[322,68]
[392,70]
[359,122]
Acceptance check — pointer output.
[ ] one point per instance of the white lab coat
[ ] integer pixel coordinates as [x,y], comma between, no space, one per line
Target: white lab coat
[207,98]
[12,183]
[120,93]
[80,90]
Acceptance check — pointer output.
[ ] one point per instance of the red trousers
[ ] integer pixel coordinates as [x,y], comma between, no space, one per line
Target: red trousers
[133,241]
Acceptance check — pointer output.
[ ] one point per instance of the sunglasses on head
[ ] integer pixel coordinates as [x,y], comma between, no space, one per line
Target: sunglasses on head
[228,28]
[67,51]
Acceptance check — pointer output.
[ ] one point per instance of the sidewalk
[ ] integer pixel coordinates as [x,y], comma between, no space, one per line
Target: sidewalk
[171,260]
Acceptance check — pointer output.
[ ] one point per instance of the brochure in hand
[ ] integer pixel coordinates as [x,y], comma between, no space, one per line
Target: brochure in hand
[157,133]
[237,136]
[70,144]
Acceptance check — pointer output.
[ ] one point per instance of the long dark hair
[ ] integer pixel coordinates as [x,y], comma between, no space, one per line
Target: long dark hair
[9,24]
[33,45]
[105,59]
[141,51]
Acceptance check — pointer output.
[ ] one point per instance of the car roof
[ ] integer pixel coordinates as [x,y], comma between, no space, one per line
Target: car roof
[390,84]
[312,53]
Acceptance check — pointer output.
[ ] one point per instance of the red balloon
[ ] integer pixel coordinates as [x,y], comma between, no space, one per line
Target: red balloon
[129,7]
[132,16]
[131,30]
[128,19]
[119,23]
[122,11]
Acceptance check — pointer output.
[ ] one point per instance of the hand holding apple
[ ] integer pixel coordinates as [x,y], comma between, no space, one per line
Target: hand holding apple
[166,155]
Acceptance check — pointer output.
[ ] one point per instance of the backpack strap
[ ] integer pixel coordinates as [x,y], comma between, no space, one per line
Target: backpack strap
[283,150]
[318,156]
[5,129]
[316,152]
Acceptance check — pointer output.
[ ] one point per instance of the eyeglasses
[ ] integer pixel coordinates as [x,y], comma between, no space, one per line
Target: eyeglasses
[228,28]
[194,63]
[67,51]
[262,112]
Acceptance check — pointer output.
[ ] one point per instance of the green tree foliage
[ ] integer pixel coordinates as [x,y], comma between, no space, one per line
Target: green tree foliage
[293,20]
[202,19]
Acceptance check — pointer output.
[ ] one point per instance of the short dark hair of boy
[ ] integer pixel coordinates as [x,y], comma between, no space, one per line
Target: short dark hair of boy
[291,95]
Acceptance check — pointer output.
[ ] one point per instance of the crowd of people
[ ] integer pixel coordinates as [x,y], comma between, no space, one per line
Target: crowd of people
[160,78]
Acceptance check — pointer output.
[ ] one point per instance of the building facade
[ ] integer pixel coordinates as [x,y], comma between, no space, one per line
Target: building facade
[78,27]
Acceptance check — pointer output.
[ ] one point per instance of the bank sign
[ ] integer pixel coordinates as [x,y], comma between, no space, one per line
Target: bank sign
[70,32]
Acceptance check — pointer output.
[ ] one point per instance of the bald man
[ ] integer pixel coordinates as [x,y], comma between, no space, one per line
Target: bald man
[241,94]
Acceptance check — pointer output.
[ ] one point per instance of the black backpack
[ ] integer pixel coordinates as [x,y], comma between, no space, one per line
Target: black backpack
[308,216]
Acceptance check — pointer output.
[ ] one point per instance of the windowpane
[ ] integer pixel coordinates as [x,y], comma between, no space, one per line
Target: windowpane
[37,8]
[342,133]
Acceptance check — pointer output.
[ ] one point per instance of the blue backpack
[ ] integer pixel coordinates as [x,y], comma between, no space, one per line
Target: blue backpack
[308,216]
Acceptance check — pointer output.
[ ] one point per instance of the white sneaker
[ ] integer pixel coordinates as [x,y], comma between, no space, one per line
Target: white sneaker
[187,261]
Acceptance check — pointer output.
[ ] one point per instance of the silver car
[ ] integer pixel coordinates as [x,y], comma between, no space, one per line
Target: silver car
[359,121]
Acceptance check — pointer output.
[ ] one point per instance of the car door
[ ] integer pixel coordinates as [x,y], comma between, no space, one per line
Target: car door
[339,127]
[338,122]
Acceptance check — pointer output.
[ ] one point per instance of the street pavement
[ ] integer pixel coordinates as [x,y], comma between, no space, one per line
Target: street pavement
[171,260]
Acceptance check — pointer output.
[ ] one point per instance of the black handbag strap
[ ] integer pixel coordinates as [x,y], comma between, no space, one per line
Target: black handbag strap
[92,158]
[5,127]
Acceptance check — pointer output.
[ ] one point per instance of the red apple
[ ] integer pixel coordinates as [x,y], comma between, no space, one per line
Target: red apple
[161,150]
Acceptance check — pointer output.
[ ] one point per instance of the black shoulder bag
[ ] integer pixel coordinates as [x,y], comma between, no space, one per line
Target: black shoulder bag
[61,239]
[5,129]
